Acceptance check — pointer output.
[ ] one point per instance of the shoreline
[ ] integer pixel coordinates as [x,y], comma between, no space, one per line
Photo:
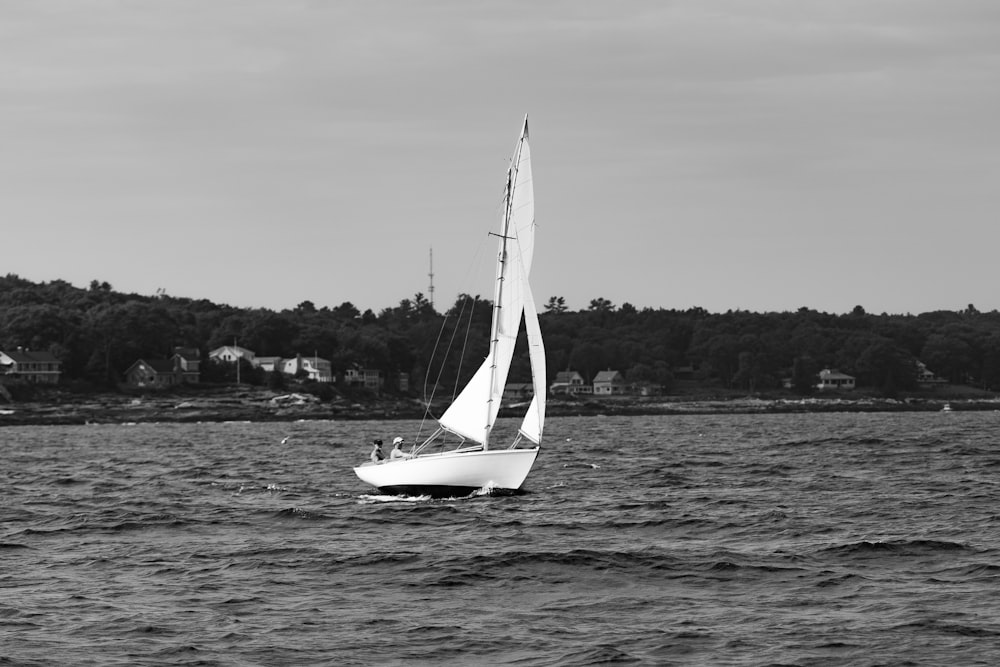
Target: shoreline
[266,406]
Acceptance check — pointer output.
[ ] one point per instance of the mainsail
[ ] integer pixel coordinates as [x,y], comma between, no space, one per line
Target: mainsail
[475,409]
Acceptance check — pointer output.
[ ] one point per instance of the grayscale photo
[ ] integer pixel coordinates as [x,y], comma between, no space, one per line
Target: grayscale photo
[556,333]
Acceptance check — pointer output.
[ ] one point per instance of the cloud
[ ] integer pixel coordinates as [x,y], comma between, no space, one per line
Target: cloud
[684,124]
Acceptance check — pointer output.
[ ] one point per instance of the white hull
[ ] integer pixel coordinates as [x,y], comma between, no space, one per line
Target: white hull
[451,472]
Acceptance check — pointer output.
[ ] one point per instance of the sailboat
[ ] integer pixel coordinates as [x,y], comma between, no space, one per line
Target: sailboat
[477,462]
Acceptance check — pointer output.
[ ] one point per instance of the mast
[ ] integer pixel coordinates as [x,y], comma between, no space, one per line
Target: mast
[501,277]
[472,412]
[495,325]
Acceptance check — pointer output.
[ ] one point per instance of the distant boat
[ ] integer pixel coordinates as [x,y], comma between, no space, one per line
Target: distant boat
[476,463]
[946,408]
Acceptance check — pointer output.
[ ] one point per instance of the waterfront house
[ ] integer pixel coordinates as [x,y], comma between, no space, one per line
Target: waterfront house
[268,364]
[231,354]
[154,373]
[28,366]
[832,379]
[926,378]
[187,361]
[518,391]
[570,382]
[369,378]
[610,383]
[315,368]
[183,367]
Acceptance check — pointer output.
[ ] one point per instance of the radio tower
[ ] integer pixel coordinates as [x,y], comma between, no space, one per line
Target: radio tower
[430,290]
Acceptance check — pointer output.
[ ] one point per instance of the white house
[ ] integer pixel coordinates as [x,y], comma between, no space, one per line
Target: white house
[829,379]
[610,383]
[231,353]
[315,368]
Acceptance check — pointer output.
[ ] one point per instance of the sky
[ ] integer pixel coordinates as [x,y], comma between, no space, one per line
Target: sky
[763,155]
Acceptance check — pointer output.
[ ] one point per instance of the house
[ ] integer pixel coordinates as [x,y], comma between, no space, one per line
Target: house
[831,379]
[518,391]
[268,364]
[155,373]
[927,378]
[188,361]
[36,367]
[570,382]
[231,353]
[183,367]
[610,383]
[364,377]
[314,367]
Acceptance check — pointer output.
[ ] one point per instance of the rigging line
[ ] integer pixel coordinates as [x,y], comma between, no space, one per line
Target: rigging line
[504,205]
[429,400]
[434,352]
[451,342]
[472,301]
[475,261]
[465,345]
[444,357]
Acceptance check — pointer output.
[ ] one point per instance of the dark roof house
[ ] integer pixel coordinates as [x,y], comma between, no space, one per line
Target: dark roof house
[155,373]
[570,382]
[29,366]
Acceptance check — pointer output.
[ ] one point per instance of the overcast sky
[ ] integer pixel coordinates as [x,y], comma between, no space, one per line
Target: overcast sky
[730,154]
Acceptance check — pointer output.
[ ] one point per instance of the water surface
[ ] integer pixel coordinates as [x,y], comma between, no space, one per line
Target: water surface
[729,539]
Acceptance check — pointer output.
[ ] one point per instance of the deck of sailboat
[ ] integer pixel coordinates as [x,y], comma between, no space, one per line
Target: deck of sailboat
[465,451]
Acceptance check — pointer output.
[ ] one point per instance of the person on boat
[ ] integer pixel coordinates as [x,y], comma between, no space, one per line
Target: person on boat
[377,455]
[397,451]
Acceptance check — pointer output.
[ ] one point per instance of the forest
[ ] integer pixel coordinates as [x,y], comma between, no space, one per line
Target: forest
[98,333]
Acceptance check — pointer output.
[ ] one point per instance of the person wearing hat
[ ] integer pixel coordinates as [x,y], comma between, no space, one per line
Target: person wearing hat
[397,452]
[377,455]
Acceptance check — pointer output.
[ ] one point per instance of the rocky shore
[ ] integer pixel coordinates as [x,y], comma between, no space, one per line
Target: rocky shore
[240,404]
[235,405]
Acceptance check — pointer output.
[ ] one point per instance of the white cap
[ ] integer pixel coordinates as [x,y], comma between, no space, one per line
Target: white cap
[397,440]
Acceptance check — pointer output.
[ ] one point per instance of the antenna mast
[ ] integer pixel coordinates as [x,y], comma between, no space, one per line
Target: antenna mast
[430,290]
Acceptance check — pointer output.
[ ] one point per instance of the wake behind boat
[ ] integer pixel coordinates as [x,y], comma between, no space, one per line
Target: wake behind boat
[475,462]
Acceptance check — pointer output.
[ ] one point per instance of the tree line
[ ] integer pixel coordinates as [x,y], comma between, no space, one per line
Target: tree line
[98,333]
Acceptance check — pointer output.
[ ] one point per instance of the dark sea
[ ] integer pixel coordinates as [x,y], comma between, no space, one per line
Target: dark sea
[822,539]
